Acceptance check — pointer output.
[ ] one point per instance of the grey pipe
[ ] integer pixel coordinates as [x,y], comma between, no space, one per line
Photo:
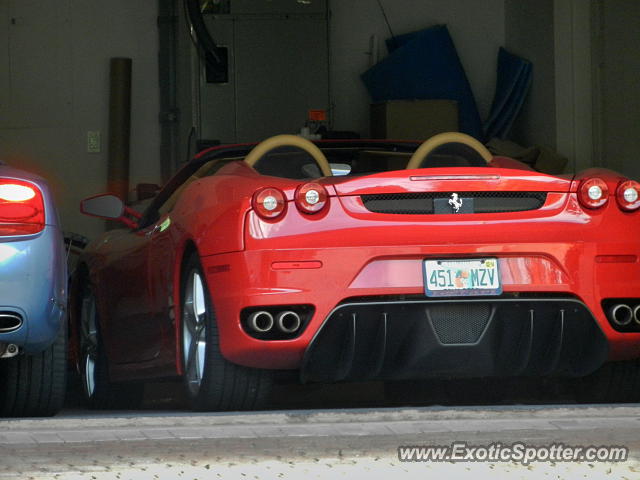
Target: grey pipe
[621,314]
[261,321]
[288,322]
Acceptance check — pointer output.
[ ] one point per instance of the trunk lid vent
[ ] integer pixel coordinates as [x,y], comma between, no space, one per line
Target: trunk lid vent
[427,203]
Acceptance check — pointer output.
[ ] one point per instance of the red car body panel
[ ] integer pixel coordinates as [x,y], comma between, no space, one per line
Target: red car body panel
[349,252]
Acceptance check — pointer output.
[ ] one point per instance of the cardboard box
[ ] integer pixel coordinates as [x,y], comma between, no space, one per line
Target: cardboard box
[413,119]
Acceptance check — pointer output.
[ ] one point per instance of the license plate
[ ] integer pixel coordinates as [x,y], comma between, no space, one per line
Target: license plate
[462,277]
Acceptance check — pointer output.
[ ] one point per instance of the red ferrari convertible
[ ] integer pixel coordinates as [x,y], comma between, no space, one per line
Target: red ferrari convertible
[355,260]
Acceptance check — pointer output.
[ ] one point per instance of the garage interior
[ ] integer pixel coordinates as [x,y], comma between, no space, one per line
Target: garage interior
[291,66]
[285,57]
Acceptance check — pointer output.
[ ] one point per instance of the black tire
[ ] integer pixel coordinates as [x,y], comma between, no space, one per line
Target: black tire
[93,366]
[613,382]
[35,385]
[211,382]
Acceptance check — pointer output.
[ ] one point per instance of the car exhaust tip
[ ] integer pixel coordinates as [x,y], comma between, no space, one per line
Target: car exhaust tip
[261,321]
[636,314]
[621,314]
[288,321]
[10,322]
[8,350]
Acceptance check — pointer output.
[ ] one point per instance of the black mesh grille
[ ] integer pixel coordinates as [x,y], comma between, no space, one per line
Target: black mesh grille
[463,323]
[483,202]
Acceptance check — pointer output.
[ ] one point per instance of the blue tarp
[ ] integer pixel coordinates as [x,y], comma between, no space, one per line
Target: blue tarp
[512,85]
[425,65]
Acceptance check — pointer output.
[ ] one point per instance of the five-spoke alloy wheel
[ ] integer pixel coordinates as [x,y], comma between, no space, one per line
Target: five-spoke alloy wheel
[194,329]
[211,381]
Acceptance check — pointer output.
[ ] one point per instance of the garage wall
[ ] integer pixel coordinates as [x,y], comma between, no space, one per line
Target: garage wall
[477,29]
[54,88]
[529,33]
[618,97]
[54,77]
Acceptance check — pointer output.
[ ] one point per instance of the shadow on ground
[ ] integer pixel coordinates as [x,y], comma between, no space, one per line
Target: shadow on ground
[288,395]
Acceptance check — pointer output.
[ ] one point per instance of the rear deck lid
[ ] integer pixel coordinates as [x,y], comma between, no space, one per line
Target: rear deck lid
[450,180]
[447,190]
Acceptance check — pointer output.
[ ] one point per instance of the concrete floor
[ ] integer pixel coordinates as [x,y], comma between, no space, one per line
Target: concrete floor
[318,431]
[311,443]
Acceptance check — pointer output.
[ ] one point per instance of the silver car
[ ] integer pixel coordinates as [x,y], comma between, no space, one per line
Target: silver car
[33,294]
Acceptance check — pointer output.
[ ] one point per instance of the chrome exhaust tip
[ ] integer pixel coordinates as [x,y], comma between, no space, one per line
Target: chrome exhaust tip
[288,321]
[621,314]
[8,350]
[10,322]
[636,314]
[260,321]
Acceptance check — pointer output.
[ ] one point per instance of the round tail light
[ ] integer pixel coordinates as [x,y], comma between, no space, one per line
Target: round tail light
[269,203]
[311,197]
[593,193]
[628,195]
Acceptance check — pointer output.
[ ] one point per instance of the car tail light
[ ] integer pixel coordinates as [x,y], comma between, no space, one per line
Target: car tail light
[593,193]
[311,197]
[269,203]
[21,208]
[628,195]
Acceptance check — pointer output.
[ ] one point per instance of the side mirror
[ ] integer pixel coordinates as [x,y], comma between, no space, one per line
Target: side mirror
[104,206]
[110,207]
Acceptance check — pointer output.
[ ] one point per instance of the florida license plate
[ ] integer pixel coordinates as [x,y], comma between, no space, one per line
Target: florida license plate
[462,277]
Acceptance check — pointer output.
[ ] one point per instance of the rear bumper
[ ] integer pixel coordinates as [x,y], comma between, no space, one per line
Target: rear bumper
[33,286]
[462,338]
[328,278]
